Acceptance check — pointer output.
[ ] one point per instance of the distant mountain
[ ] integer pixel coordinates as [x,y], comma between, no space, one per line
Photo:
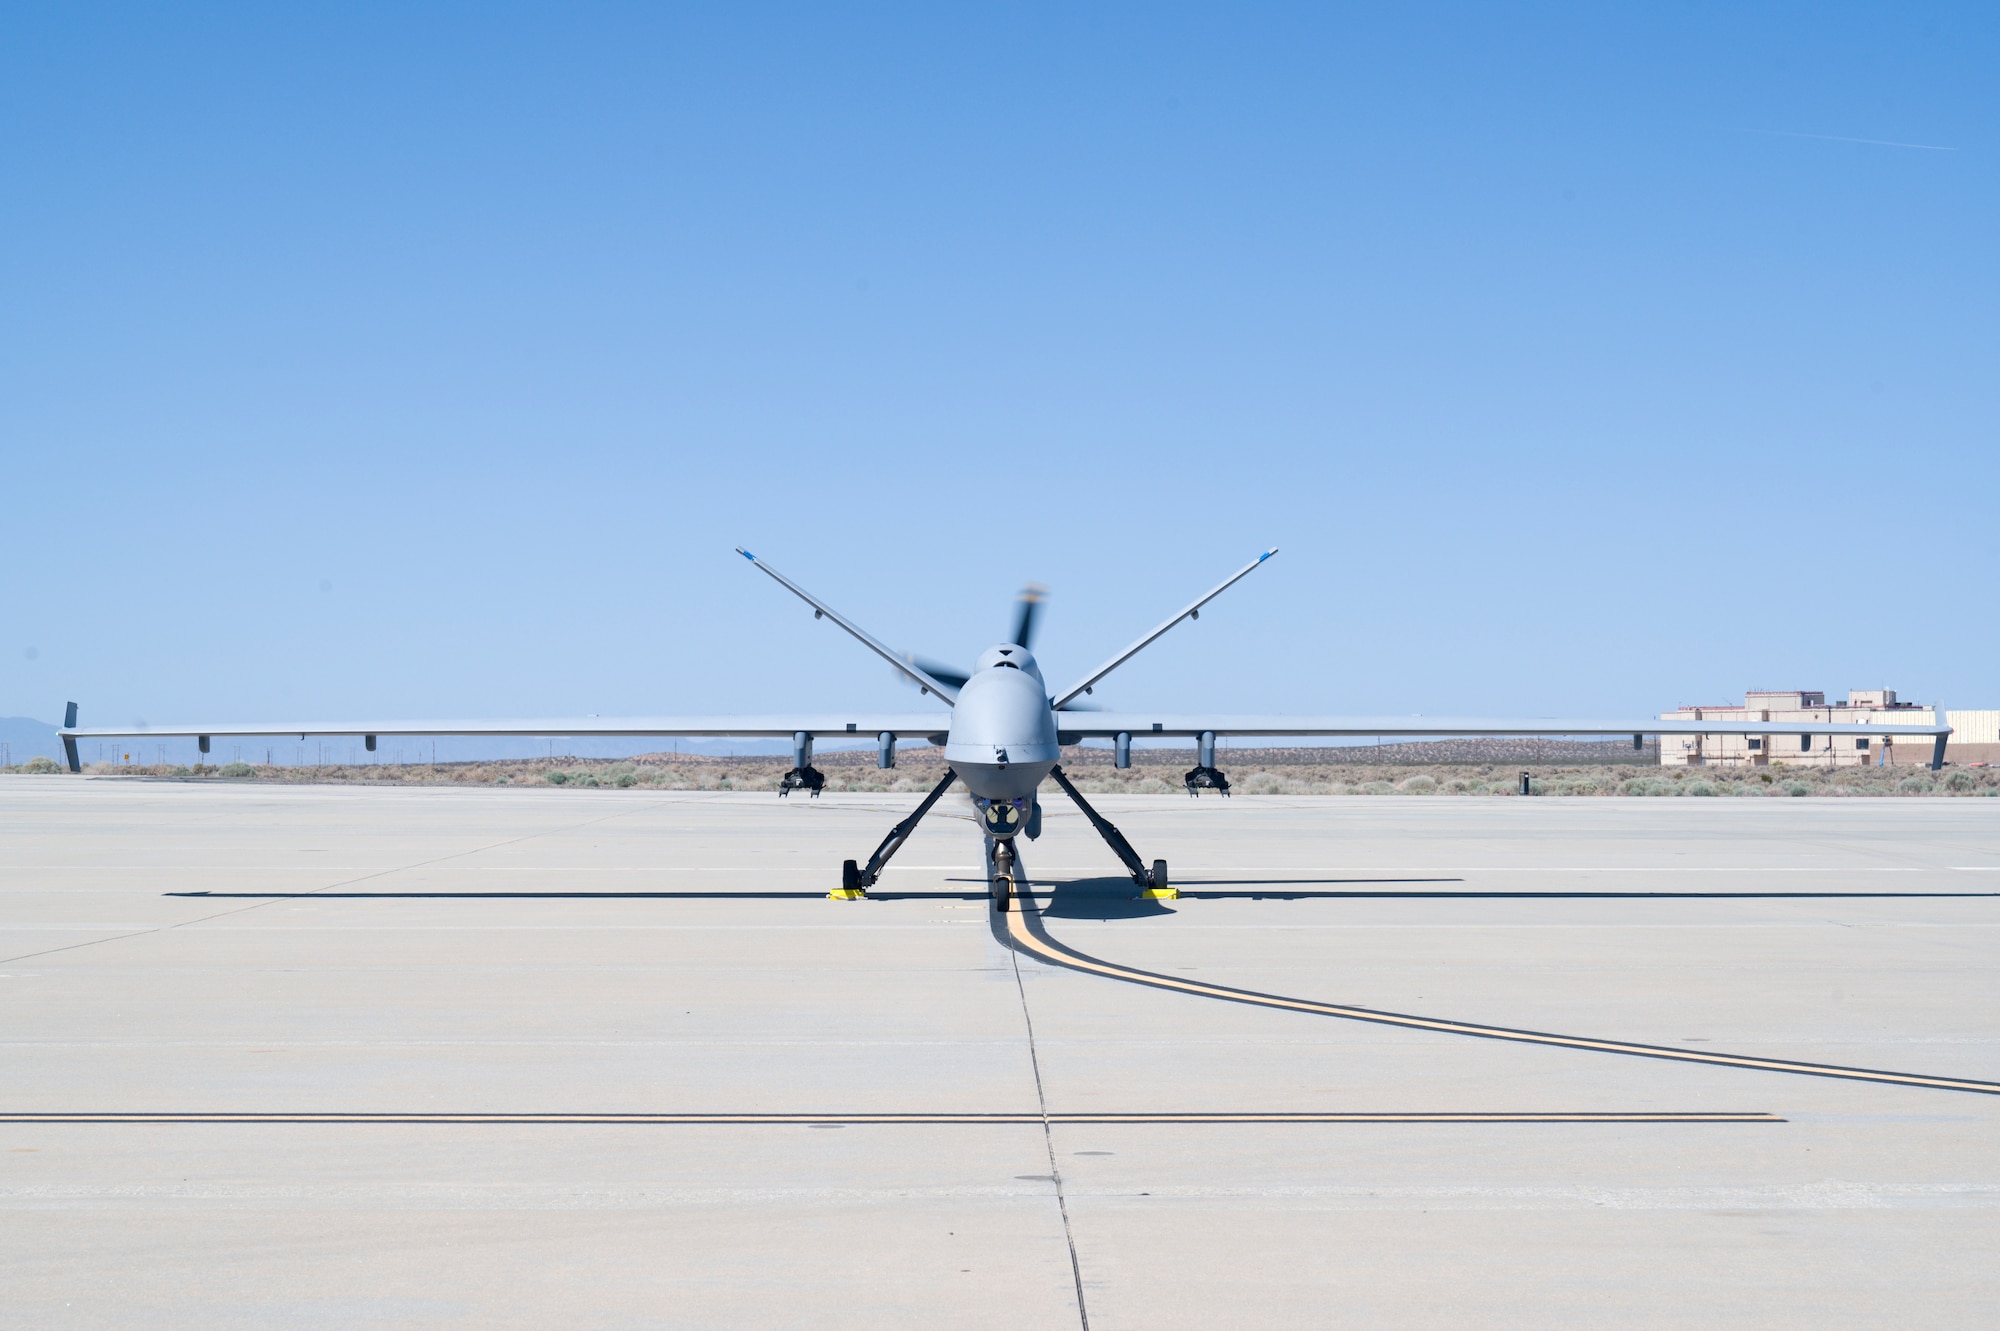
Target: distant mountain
[24,737]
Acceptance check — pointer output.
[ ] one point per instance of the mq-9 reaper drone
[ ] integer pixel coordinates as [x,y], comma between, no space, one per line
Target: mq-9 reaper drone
[1004,734]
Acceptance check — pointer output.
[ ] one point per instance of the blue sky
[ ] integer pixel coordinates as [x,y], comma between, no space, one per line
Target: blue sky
[428,360]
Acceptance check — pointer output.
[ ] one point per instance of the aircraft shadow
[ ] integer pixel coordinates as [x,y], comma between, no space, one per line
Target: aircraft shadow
[1256,882]
[1282,895]
[570,896]
[1097,899]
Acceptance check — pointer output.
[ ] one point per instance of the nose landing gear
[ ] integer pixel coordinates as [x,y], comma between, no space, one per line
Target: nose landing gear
[1000,876]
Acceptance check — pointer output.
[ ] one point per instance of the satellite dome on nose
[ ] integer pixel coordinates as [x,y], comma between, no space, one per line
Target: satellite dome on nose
[1008,656]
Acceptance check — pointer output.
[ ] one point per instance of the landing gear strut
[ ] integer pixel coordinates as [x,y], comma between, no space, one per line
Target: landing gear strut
[1152,882]
[1001,867]
[854,880]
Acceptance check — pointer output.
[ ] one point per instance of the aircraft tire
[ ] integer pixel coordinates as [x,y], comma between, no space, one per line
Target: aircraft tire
[1159,873]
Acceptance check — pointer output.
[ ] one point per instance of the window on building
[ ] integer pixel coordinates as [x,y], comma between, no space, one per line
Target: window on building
[1805,744]
[1756,743]
[1860,743]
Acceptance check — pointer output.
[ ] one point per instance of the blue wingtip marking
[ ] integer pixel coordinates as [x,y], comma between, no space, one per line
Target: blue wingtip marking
[746,554]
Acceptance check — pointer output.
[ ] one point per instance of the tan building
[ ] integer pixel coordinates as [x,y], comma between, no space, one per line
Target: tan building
[1861,707]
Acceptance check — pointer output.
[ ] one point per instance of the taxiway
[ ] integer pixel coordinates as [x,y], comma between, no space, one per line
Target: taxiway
[520,1057]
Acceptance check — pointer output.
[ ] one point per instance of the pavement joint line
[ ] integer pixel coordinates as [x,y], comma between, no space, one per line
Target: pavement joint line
[1044,1120]
[1021,930]
[1049,1144]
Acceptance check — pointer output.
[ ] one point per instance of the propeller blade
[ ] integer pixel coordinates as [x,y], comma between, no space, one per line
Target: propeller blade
[1025,608]
[937,670]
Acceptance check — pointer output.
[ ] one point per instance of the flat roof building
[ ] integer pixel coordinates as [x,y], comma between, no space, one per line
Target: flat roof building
[1975,738]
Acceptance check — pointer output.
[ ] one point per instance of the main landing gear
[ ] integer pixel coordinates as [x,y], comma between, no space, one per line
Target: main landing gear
[1152,882]
[854,880]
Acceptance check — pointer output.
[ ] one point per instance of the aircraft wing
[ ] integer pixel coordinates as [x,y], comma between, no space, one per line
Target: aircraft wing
[1075,726]
[819,725]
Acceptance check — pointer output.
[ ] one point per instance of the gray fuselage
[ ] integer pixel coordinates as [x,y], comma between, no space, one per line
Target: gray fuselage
[1003,734]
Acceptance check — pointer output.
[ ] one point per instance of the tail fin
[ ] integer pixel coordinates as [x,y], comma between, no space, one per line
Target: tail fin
[69,741]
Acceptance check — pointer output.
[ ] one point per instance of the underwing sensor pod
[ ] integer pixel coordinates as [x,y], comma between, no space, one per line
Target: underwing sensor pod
[1003,730]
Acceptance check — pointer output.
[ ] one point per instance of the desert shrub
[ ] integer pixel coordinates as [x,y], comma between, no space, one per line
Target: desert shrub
[626,779]
[1913,785]
[1961,782]
[1700,788]
[1458,785]
[179,771]
[40,765]
[1375,788]
[1647,785]
[556,778]
[1420,785]
[1796,788]
[1152,785]
[1262,783]
[237,770]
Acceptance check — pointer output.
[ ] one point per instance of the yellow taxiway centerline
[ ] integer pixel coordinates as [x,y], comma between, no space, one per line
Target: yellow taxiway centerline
[1024,931]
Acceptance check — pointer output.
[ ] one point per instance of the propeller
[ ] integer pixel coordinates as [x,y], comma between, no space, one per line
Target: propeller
[937,670]
[1026,609]
[1026,606]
